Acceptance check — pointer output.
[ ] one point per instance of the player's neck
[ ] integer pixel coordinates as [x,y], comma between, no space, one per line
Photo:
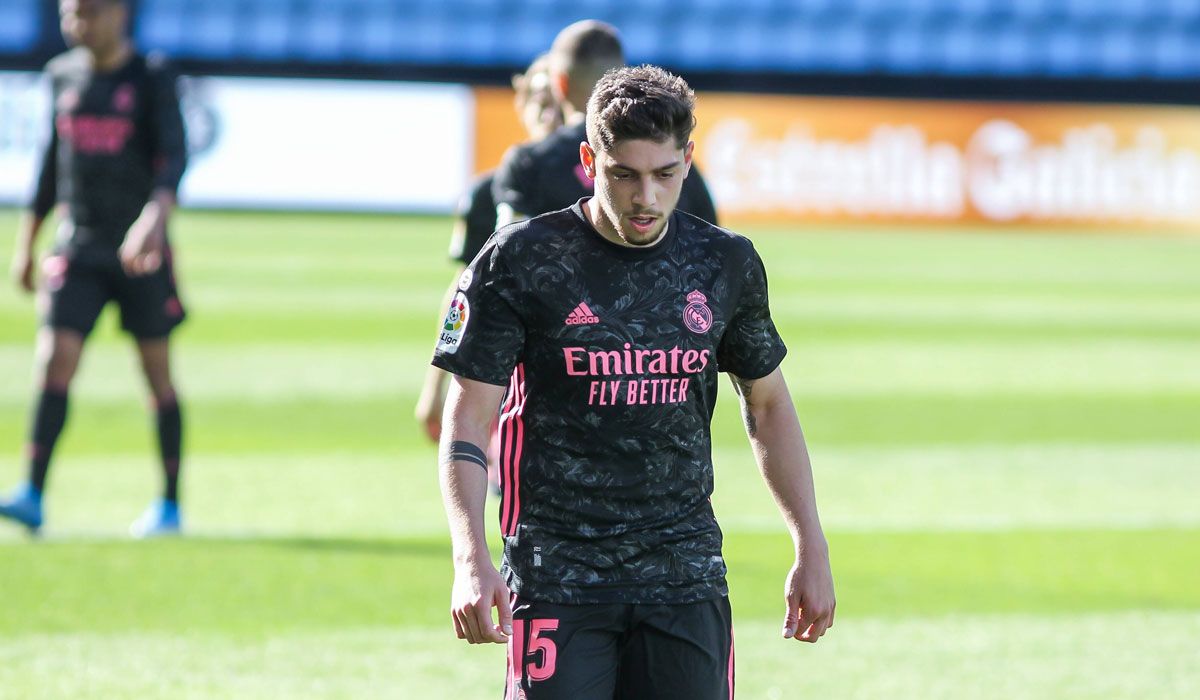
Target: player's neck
[112,58]
[608,231]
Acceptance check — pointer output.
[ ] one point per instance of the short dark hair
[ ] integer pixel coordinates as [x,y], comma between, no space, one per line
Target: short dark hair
[584,51]
[640,102]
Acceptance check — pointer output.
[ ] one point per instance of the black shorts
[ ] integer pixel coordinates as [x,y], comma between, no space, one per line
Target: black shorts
[621,651]
[77,291]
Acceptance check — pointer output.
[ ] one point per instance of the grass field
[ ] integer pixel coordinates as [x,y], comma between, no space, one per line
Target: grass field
[1005,429]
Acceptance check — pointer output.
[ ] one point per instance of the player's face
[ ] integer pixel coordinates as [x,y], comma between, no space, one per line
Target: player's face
[97,25]
[541,114]
[637,186]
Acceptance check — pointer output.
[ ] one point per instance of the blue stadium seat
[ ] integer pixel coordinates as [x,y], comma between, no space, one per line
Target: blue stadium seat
[159,25]
[1173,54]
[413,38]
[954,11]
[373,32]
[1119,38]
[1180,10]
[695,35]
[1010,51]
[964,49]
[264,33]
[470,42]
[1120,54]
[906,49]
[1039,13]
[19,25]
[845,48]
[211,29]
[322,35]
[1067,52]
[789,44]
[814,8]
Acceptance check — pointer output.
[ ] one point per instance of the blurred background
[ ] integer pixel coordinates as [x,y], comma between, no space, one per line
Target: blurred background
[979,219]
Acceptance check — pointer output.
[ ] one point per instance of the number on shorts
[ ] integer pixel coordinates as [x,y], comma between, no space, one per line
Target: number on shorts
[545,667]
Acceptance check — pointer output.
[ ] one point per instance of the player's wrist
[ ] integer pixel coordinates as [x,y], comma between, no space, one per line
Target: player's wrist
[812,548]
[473,559]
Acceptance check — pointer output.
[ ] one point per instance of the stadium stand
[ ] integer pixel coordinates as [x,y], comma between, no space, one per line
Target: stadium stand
[1118,40]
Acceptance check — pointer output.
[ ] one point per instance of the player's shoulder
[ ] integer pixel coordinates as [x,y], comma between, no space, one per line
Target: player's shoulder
[695,229]
[481,186]
[542,232]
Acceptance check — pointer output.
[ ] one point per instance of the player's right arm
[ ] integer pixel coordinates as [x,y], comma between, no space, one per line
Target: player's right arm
[478,586]
[44,198]
[432,401]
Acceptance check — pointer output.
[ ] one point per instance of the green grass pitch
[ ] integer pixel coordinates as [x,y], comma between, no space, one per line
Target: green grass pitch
[1005,428]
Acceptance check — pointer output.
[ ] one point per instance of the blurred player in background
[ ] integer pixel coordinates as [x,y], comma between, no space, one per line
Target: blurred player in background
[113,165]
[602,328]
[540,114]
[543,176]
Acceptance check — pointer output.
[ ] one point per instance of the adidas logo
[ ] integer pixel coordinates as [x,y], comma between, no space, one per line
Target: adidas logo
[582,315]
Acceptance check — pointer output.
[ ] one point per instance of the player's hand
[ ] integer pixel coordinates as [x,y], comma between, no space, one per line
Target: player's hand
[146,240]
[477,589]
[809,595]
[142,251]
[429,413]
[23,271]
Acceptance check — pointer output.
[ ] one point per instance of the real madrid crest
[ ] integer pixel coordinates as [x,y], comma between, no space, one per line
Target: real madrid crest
[696,315]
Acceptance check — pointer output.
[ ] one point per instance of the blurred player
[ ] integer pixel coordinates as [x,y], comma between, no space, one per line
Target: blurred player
[542,176]
[113,164]
[540,114]
[600,328]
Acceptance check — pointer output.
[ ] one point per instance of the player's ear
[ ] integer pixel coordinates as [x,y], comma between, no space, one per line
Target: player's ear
[687,157]
[559,84]
[588,158]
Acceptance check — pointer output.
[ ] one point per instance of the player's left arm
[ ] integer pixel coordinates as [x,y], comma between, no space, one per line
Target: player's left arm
[143,249]
[782,456]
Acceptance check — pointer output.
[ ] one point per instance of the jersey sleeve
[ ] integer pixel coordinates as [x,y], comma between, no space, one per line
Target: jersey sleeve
[477,214]
[751,347]
[515,183]
[45,194]
[483,335]
[170,144]
[695,198]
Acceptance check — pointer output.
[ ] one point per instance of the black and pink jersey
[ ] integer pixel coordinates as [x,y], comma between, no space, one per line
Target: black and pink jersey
[610,355]
[115,138]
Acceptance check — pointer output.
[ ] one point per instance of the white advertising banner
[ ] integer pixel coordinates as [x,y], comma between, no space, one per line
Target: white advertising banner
[24,129]
[288,144]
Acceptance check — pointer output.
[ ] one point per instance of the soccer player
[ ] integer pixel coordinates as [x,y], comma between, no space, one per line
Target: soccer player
[600,329]
[113,164]
[543,176]
[540,114]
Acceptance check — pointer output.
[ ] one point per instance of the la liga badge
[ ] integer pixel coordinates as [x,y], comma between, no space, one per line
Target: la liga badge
[455,324]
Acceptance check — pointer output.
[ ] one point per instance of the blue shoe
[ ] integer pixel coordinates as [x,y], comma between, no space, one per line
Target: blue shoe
[24,506]
[160,519]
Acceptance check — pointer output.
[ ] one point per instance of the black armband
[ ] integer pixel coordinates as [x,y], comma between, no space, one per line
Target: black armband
[461,450]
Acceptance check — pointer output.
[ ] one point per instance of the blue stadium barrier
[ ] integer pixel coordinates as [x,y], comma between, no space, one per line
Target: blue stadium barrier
[1120,39]
[20,23]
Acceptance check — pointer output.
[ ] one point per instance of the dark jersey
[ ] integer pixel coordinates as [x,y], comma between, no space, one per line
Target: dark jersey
[610,355]
[544,176]
[115,138]
[477,210]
